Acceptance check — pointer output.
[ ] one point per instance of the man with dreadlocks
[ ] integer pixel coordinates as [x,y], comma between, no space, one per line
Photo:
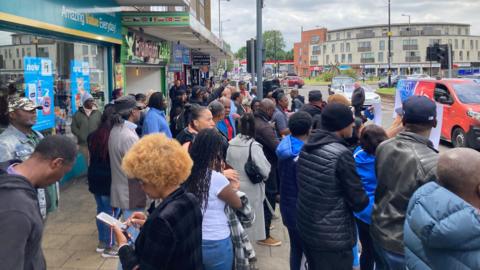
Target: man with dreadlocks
[214,191]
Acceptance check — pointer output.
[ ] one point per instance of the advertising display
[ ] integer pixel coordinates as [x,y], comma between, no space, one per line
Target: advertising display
[80,82]
[141,49]
[39,89]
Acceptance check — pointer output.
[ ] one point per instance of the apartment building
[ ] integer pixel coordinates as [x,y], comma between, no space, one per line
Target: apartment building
[301,49]
[365,48]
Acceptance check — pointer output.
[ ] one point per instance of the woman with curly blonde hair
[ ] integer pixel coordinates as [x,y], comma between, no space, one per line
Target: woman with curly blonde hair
[171,237]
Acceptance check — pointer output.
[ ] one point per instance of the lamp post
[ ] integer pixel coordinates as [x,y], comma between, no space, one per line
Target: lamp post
[219,18]
[221,28]
[259,50]
[409,41]
[389,48]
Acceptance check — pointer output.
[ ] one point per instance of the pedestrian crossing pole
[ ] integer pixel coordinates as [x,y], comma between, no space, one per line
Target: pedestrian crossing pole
[259,50]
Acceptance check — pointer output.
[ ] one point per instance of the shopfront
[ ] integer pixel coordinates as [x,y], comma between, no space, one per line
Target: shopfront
[53,51]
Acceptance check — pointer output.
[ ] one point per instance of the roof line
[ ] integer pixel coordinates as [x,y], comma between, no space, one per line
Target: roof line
[395,24]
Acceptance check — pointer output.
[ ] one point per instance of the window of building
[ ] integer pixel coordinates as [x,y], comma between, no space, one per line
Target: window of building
[364,44]
[342,47]
[347,49]
[471,44]
[350,57]
[468,56]
[336,58]
[434,41]
[338,36]
[460,55]
[333,48]
[329,37]
[343,58]
[463,44]
[23,52]
[391,44]
[410,42]
[85,49]
[328,59]
[412,53]
[380,57]
[19,63]
[29,51]
[349,35]
[466,31]
[456,44]
[368,55]
[381,45]
[14,64]
[478,56]
[476,44]
[453,55]
[316,49]
[459,31]
[18,52]
[315,39]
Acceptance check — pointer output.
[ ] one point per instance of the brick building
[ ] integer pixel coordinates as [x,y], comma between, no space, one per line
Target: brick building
[301,50]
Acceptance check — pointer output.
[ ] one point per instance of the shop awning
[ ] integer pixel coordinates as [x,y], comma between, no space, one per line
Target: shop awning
[178,27]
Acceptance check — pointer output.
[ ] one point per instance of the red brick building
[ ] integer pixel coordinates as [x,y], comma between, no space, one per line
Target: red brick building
[301,54]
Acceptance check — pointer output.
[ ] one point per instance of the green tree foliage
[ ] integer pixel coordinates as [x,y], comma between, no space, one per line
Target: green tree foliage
[241,53]
[274,45]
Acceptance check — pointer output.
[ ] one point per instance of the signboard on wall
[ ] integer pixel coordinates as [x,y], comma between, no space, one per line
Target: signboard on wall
[39,88]
[143,50]
[79,82]
[87,18]
[156,19]
[200,59]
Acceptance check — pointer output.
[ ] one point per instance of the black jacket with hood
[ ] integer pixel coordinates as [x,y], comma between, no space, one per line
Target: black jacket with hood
[21,223]
[329,192]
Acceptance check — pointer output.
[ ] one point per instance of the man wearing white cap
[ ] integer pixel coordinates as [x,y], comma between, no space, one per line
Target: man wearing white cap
[85,121]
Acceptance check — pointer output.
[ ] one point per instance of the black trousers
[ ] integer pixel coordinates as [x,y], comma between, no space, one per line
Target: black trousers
[267,213]
[367,258]
[326,260]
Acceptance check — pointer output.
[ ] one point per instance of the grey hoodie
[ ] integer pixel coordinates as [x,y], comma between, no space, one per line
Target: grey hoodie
[21,225]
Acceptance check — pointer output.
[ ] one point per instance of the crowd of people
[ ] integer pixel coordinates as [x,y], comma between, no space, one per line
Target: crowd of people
[198,188]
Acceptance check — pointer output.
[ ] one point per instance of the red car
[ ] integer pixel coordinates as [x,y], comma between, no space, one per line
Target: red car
[293,81]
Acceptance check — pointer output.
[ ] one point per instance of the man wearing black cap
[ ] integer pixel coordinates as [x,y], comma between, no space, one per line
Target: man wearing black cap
[329,191]
[403,164]
[314,106]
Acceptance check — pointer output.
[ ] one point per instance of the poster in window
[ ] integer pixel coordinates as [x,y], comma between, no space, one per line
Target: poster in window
[80,82]
[39,89]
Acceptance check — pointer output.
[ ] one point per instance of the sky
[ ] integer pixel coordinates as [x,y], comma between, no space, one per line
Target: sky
[289,16]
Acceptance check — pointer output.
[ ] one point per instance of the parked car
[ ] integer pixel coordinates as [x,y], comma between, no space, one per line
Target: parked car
[383,83]
[347,90]
[461,113]
[293,81]
[338,82]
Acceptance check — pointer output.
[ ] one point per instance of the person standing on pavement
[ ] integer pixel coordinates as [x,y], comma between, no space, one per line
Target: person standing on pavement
[329,191]
[198,119]
[238,101]
[155,121]
[358,99]
[314,107]
[18,141]
[85,121]
[227,125]
[300,124]
[442,226]
[22,224]
[403,164]
[265,135]
[214,191]
[297,100]
[364,155]
[126,194]
[237,156]
[244,91]
[280,117]
[171,236]
[100,180]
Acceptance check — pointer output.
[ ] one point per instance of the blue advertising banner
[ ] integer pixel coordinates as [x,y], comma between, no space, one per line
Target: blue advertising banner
[79,82]
[187,59]
[92,19]
[39,89]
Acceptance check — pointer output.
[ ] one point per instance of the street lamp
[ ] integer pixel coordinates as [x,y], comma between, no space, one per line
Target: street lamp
[219,18]
[409,42]
[221,28]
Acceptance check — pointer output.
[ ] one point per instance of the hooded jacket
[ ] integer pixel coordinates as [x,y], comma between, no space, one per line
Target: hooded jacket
[442,231]
[287,153]
[21,225]
[365,164]
[329,192]
[403,164]
[83,125]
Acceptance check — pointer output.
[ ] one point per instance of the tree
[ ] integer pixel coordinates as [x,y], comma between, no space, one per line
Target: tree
[273,43]
[241,53]
[289,55]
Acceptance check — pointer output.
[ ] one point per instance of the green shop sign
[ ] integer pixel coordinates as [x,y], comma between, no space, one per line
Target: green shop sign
[139,49]
[90,19]
[156,19]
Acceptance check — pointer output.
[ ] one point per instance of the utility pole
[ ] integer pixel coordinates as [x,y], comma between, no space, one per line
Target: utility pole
[409,41]
[275,54]
[450,61]
[259,49]
[389,48]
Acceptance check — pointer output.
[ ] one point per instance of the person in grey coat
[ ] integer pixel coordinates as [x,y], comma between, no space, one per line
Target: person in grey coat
[237,156]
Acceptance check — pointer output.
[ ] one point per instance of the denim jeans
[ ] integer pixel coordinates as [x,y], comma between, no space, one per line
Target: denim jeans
[105,234]
[296,249]
[217,254]
[386,260]
[126,213]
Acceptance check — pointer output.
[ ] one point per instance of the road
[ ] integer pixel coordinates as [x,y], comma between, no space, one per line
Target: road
[387,109]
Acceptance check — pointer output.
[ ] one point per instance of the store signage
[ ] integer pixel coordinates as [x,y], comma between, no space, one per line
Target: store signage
[141,49]
[79,82]
[200,59]
[87,18]
[156,19]
[39,88]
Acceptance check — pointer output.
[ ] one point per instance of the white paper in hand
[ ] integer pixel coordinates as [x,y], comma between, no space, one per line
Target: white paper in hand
[106,218]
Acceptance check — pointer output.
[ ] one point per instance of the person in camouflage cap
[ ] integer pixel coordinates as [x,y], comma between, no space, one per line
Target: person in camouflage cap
[18,141]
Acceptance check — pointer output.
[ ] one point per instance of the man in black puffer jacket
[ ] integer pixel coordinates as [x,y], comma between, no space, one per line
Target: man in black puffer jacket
[329,192]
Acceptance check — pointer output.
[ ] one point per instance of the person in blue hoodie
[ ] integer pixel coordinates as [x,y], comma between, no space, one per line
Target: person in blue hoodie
[287,152]
[442,225]
[155,121]
[370,137]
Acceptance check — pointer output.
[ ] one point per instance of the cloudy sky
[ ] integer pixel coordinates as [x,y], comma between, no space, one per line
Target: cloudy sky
[289,16]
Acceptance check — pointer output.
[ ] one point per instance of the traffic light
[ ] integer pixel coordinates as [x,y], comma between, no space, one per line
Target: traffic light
[251,55]
[432,53]
[438,53]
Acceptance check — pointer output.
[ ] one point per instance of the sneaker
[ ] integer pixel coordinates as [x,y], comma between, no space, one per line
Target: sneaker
[271,242]
[110,253]
[100,247]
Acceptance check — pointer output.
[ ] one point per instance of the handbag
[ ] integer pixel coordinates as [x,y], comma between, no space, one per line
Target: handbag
[251,169]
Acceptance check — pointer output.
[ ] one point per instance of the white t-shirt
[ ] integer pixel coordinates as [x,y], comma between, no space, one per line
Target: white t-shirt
[215,223]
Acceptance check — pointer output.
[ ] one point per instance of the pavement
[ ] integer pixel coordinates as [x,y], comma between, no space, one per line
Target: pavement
[70,236]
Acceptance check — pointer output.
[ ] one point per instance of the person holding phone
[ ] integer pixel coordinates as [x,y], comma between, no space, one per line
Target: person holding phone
[171,237]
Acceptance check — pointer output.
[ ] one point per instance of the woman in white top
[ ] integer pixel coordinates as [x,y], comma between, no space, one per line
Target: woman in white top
[214,191]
